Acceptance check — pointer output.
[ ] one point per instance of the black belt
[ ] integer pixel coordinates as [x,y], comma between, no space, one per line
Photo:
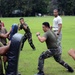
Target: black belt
[53,48]
[55,30]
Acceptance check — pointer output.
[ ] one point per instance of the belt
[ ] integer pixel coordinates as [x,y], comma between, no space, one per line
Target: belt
[55,30]
[53,47]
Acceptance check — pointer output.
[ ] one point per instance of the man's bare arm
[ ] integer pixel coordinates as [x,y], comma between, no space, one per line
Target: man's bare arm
[5,35]
[25,26]
[41,39]
[60,27]
[4,49]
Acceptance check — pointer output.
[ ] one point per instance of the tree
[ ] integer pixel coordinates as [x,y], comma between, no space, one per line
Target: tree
[66,6]
[51,6]
[32,7]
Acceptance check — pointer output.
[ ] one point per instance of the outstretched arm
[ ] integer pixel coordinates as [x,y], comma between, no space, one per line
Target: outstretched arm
[4,49]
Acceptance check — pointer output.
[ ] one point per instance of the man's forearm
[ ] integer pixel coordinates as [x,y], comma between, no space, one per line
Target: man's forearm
[4,49]
[3,36]
[59,30]
[7,34]
[39,38]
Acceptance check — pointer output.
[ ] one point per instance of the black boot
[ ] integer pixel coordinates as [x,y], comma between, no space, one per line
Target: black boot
[40,73]
[19,73]
[70,69]
[34,49]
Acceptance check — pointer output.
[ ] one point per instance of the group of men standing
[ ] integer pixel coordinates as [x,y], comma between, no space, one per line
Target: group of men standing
[52,37]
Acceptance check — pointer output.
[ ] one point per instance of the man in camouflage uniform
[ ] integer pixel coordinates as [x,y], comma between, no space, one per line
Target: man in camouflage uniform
[1,67]
[53,49]
[3,35]
[3,50]
[27,35]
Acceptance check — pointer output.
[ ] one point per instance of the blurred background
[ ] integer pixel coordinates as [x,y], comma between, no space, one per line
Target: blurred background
[17,8]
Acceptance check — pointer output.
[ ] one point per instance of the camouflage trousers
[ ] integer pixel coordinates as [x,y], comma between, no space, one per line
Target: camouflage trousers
[28,36]
[1,66]
[56,53]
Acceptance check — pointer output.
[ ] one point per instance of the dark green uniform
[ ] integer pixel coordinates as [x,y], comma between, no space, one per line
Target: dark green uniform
[27,35]
[53,50]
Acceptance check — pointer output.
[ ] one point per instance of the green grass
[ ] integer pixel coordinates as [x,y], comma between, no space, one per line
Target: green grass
[29,59]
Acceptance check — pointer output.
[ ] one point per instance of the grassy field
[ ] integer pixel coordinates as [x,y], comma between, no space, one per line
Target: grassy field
[29,59]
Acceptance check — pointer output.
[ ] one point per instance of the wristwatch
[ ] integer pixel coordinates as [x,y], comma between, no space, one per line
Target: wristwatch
[37,35]
[57,33]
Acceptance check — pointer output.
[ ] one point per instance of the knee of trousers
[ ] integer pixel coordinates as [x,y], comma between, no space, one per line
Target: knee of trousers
[30,41]
[42,57]
[58,60]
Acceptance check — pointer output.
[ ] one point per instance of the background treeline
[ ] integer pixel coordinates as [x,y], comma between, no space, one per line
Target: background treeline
[33,7]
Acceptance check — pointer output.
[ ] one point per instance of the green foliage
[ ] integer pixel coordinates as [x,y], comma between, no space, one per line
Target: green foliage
[29,7]
[33,7]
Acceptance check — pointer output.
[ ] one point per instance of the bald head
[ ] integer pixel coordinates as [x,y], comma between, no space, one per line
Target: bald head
[55,12]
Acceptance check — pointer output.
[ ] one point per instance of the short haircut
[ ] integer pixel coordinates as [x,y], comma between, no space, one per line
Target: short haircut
[46,24]
[56,10]
[21,18]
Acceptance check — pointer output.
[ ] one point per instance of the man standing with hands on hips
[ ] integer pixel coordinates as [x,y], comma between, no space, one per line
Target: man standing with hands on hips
[57,27]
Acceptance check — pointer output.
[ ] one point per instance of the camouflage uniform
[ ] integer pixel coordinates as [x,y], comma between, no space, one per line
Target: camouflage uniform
[27,35]
[3,31]
[53,50]
[3,40]
[1,67]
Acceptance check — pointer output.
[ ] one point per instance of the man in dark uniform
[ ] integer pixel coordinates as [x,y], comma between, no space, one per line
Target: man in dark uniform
[27,35]
[53,49]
